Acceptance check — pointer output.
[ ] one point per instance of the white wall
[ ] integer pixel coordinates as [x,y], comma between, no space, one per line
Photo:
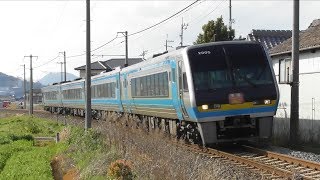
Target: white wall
[309,88]
[309,77]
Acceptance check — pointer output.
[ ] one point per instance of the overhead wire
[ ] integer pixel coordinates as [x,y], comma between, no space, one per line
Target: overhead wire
[185,9]
[47,62]
[164,19]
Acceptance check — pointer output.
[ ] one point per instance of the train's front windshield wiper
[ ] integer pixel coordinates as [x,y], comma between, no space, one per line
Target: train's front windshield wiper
[246,79]
[232,72]
[230,67]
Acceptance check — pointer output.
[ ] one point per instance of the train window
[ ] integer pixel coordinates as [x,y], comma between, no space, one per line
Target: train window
[165,84]
[107,90]
[139,88]
[151,85]
[156,84]
[185,82]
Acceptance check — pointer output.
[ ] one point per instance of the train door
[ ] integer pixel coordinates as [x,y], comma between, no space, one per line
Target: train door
[124,93]
[183,88]
[118,94]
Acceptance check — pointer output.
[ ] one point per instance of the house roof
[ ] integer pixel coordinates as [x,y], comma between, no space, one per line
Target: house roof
[110,64]
[269,38]
[98,65]
[116,62]
[308,39]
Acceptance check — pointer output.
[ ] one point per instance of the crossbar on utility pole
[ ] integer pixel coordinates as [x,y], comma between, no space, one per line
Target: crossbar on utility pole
[294,113]
[88,70]
[31,86]
[167,41]
[65,65]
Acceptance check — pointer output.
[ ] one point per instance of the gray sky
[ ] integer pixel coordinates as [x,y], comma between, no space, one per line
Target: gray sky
[45,28]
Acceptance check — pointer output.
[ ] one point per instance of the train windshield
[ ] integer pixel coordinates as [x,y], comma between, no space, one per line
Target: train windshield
[230,67]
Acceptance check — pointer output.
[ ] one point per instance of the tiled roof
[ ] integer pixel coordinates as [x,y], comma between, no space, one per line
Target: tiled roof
[269,38]
[98,65]
[308,39]
[110,64]
[113,63]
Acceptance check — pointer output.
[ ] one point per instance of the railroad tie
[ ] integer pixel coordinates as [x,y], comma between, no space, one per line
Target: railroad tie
[258,157]
[305,170]
[271,160]
[313,173]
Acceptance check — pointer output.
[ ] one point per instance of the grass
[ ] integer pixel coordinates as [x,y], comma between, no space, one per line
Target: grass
[19,158]
[90,152]
[83,151]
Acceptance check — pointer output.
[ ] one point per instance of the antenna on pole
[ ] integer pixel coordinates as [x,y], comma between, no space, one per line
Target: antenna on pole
[183,27]
[144,52]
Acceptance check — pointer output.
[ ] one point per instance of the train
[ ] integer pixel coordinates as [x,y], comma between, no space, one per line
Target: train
[208,93]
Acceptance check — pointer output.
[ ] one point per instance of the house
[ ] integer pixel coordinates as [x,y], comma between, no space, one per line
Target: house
[309,89]
[269,38]
[105,66]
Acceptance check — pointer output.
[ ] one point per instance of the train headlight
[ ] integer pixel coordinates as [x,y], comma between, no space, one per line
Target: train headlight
[267,101]
[205,107]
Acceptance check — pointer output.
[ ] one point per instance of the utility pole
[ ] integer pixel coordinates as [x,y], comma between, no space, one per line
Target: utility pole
[230,17]
[65,65]
[61,72]
[88,70]
[294,113]
[183,27]
[125,34]
[24,87]
[230,21]
[167,41]
[31,86]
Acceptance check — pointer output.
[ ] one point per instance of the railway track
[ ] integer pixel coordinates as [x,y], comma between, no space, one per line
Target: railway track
[270,164]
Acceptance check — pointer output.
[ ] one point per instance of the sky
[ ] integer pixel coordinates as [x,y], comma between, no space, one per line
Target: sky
[45,28]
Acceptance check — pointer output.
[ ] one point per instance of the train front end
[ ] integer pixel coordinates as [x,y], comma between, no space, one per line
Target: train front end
[233,91]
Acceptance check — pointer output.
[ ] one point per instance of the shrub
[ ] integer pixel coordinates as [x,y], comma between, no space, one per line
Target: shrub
[120,169]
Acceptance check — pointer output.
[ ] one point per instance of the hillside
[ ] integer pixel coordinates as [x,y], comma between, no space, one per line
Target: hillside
[54,77]
[10,85]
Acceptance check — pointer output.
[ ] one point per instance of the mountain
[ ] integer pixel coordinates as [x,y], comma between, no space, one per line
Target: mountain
[54,77]
[10,85]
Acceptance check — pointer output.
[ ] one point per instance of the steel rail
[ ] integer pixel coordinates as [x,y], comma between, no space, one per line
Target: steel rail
[283,157]
[242,160]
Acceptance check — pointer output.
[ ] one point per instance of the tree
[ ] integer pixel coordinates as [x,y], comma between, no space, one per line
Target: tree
[215,31]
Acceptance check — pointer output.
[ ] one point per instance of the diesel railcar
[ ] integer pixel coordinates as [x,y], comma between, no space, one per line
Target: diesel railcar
[204,93]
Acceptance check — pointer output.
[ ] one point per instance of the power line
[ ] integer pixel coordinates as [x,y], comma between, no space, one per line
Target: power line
[199,19]
[105,43]
[164,19]
[47,62]
[187,8]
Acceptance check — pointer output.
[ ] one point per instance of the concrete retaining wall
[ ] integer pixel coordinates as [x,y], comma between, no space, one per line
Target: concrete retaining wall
[309,130]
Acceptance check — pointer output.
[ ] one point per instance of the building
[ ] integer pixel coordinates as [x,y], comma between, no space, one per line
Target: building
[37,96]
[269,38]
[105,66]
[309,75]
